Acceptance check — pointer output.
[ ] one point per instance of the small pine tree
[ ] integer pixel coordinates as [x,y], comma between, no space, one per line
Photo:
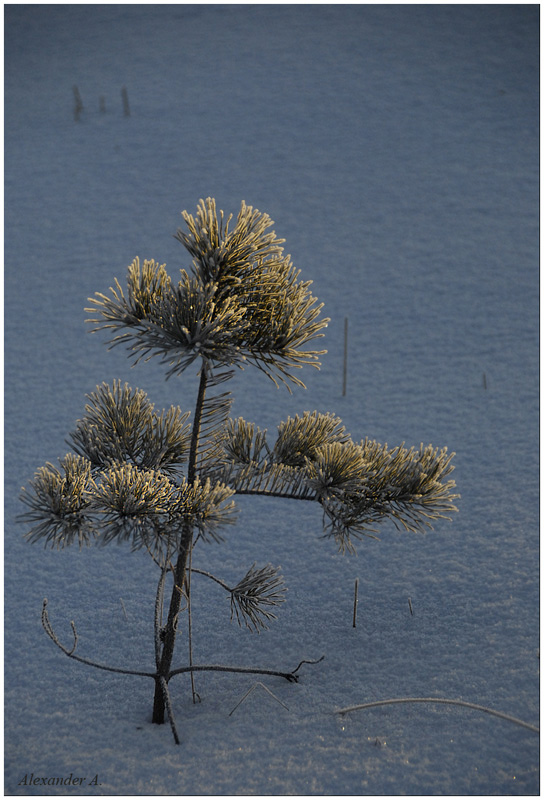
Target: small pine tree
[163,483]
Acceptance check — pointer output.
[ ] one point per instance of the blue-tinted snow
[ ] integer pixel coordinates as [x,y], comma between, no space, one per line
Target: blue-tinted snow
[396,149]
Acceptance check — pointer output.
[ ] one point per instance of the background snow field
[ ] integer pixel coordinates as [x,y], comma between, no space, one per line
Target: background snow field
[396,149]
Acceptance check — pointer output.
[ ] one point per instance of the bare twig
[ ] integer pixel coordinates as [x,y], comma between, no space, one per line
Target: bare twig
[160,679]
[126,107]
[78,103]
[306,661]
[212,577]
[289,676]
[158,615]
[190,622]
[52,635]
[463,703]
[345,370]
[249,692]
[168,705]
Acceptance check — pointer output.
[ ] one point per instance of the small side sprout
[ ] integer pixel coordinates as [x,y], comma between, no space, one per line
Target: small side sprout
[253,596]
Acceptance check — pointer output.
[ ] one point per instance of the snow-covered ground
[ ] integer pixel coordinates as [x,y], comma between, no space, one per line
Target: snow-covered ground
[396,149]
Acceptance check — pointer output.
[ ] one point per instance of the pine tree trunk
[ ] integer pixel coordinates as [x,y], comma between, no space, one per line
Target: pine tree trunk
[180,568]
[171,626]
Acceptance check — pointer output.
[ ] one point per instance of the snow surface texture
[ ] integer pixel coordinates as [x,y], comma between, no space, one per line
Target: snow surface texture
[396,149]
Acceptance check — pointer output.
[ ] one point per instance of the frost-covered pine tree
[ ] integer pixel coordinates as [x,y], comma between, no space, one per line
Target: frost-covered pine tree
[165,481]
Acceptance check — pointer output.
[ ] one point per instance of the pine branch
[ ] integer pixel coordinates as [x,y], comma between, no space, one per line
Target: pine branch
[357,485]
[268,479]
[123,503]
[245,462]
[407,486]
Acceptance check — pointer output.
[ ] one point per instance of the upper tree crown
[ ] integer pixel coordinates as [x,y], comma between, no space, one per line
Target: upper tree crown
[242,302]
